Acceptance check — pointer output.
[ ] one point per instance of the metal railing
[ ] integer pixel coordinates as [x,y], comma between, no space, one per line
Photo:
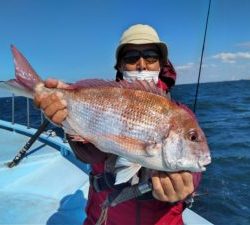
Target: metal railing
[27,112]
[64,149]
[13,109]
[28,115]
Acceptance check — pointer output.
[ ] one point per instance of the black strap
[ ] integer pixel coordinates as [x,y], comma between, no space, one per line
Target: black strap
[127,193]
[105,181]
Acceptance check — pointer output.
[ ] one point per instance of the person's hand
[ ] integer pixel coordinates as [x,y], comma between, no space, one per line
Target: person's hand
[53,104]
[172,187]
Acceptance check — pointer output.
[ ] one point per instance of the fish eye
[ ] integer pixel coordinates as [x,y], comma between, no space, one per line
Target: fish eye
[193,136]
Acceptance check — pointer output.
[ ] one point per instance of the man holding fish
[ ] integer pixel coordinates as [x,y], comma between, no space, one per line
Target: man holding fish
[140,56]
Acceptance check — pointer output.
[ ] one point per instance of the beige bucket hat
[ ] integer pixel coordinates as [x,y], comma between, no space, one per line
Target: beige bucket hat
[141,34]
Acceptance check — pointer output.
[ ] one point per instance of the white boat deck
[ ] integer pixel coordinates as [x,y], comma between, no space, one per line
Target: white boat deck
[49,186]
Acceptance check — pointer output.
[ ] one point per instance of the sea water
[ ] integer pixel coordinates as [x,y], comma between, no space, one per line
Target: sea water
[223,111]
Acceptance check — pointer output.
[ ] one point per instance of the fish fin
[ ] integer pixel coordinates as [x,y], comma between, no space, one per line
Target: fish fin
[78,138]
[26,76]
[125,170]
[141,85]
[153,149]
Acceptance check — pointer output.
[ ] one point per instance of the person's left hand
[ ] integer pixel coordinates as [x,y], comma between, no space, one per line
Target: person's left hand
[172,187]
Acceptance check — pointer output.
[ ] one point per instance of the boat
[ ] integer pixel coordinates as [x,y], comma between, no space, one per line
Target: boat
[50,185]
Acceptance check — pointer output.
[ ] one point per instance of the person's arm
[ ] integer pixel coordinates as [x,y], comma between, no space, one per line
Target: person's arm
[87,152]
[167,77]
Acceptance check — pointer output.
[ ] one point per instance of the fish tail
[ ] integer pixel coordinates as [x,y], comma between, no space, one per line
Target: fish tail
[26,76]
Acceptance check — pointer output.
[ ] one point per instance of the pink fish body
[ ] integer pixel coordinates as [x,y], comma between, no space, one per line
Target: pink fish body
[132,120]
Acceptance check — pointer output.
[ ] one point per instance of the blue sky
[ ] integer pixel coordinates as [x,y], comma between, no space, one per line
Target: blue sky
[76,39]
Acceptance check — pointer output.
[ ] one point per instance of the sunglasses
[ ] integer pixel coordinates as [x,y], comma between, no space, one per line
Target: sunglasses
[132,56]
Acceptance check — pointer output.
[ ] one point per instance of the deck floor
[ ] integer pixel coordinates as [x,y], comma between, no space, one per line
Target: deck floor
[45,188]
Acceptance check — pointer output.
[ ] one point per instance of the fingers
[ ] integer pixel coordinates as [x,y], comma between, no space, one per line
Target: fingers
[59,116]
[54,107]
[188,181]
[177,182]
[51,99]
[38,99]
[53,83]
[172,187]
[162,188]
[53,104]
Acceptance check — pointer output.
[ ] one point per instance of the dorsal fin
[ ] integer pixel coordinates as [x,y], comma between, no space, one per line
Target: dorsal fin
[142,85]
[186,108]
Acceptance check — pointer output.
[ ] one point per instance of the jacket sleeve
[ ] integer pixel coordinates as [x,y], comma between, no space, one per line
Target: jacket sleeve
[87,152]
[167,76]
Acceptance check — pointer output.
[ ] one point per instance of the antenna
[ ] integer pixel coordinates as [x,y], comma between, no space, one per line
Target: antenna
[201,59]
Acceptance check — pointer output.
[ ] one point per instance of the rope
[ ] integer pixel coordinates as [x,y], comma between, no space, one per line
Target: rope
[103,217]
[201,60]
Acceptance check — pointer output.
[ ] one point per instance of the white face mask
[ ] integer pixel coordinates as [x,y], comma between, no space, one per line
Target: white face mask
[141,75]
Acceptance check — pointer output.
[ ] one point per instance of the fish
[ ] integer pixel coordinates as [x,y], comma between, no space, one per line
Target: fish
[133,120]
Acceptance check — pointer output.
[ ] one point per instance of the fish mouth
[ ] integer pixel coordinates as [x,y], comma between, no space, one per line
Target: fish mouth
[203,161]
[192,166]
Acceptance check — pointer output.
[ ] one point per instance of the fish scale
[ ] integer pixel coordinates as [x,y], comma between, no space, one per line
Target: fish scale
[123,118]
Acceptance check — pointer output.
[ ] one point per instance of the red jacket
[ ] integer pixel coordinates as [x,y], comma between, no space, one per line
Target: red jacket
[132,212]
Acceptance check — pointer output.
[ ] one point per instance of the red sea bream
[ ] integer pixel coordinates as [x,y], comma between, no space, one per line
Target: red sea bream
[132,120]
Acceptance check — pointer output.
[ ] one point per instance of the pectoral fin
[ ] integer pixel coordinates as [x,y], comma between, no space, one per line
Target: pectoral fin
[136,146]
[125,170]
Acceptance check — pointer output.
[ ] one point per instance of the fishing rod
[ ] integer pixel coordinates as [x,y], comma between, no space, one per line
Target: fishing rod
[201,59]
[20,155]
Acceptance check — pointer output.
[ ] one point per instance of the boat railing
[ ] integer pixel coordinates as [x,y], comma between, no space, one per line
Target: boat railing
[27,111]
[50,136]
[28,125]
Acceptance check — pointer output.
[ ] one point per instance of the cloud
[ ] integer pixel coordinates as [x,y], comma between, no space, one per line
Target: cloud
[185,67]
[244,44]
[228,57]
[192,66]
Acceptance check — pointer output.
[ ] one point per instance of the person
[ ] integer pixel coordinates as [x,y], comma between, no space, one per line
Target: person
[139,55]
